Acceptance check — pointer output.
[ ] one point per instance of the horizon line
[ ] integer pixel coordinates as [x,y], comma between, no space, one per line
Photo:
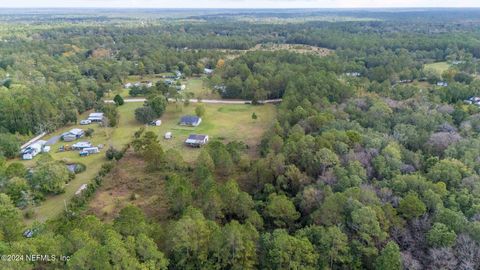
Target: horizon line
[245,8]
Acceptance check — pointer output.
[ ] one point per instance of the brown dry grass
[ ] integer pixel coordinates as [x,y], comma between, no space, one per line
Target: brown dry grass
[130,177]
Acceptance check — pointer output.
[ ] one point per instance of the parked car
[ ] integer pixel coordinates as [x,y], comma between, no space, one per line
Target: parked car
[85,122]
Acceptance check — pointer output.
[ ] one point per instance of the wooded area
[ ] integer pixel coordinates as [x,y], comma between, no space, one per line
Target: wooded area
[372,161]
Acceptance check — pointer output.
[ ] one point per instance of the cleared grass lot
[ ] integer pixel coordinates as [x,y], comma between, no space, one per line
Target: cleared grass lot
[199,90]
[221,122]
[438,67]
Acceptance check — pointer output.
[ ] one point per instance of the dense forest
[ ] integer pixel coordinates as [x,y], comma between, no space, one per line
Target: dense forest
[362,168]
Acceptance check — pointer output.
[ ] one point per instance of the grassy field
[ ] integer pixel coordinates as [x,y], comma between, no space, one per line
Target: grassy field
[199,90]
[438,67]
[116,137]
[222,122]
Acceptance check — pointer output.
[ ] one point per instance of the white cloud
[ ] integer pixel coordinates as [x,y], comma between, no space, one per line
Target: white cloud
[239,3]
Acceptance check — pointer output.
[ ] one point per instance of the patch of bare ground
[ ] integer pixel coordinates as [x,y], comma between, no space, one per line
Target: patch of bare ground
[130,183]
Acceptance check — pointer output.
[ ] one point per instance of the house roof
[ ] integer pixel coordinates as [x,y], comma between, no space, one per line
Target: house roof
[189,119]
[76,131]
[96,114]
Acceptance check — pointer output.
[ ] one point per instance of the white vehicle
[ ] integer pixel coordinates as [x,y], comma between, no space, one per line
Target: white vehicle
[85,122]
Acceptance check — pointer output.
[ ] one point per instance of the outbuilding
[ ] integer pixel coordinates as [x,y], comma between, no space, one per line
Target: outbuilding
[168,135]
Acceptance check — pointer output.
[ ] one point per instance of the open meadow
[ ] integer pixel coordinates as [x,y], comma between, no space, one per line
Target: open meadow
[438,67]
[221,122]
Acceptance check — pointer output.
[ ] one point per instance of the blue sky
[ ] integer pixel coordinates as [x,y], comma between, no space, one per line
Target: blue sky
[240,3]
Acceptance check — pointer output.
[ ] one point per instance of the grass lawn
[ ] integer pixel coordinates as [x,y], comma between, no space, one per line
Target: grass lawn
[221,122]
[199,90]
[116,137]
[438,67]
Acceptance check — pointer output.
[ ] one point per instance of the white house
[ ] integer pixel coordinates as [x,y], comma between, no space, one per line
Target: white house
[128,85]
[168,135]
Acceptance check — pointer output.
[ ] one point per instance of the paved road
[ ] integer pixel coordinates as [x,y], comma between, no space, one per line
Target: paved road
[53,140]
[212,101]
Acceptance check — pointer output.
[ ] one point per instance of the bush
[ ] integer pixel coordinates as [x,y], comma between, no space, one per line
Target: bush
[30,213]
[89,132]
[80,167]
[113,153]
[118,100]
[106,168]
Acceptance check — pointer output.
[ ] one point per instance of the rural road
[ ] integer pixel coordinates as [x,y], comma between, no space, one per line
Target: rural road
[211,101]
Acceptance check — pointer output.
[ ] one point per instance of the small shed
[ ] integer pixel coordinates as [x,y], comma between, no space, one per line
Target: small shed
[168,135]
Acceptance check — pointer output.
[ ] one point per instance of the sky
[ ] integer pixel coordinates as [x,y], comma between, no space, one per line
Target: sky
[237,3]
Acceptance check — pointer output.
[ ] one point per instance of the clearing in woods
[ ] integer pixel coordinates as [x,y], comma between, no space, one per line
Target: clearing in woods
[438,67]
